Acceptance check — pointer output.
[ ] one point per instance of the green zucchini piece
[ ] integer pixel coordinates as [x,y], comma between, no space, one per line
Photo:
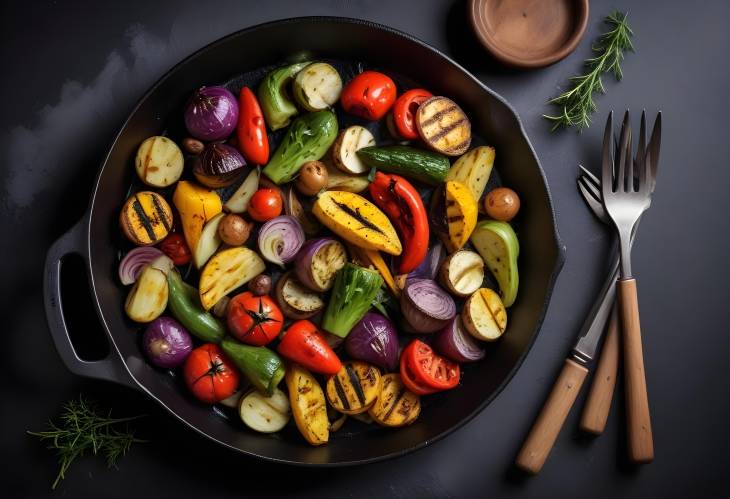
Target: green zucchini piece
[426,166]
[274,98]
[352,295]
[263,368]
[497,243]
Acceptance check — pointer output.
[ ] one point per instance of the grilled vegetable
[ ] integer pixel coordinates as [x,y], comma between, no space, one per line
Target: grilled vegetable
[354,290]
[339,181]
[457,344]
[159,162]
[209,374]
[402,203]
[344,152]
[484,315]
[226,271]
[219,165]
[238,202]
[354,388]
[461,215]
[265,204]
[146,218]
[403,117]
[209,241]
[148,297]
[425,166]
[374,339]
[502,204]
[473,169]
[304,344]
[211,113]
[166,343]
[184,305]
[499,247]
[295,300]
[280,239]
[293,207]
[265,414]
[395,405]
[357,220]
[175,247]
[318,261]
[317,86]
[312,178]
[426,306]
[133,262]
[462,273]
[373,259]
[369,95]
[307,139]
[254,320]
[444,126]
[308,405]
[196,206]
[263,368]
[278,109]
[251,130]
[234,230]
[260,285]
[192,146]
[421,368]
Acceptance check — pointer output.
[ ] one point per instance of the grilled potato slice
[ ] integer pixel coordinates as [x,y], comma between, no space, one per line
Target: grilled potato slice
[238,202]
[344,152]
[444,126]
[473,169]
[308,405]
[264,414]
[395,406]
[357,220]
[148,298]
[354,389]
[146,218]
[484,315]
[226,271]
[159,162]
[461,215]
[317,86]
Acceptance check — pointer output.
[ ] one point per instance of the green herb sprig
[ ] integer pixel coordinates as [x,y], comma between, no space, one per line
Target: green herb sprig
[84,428]
[577,104]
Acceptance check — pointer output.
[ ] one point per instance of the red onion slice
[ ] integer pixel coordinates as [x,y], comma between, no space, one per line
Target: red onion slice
[280,239]
[132,263]
[426,306]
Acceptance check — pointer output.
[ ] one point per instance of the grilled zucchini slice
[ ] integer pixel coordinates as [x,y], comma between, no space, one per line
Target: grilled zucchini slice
[444,126]
[395,406]
[354,389]
[308,405]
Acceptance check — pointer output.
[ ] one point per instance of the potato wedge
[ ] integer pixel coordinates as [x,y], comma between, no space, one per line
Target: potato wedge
[238,202]
[344,151]
[339,181]
[159,162]
[148,297]
[308,405]
[395,406]
[354,389]
[443,126]
[265,414]
[473,169]
[209,241]
[484,315]
[462,273]
[226,271]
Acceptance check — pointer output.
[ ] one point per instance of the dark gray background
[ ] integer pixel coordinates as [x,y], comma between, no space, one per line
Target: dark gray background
[72,72]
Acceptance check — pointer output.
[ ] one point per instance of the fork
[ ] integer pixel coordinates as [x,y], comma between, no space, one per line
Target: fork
[600,395]
[625,201]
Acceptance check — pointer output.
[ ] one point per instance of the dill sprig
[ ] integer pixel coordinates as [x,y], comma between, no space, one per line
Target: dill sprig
[577,104]
[84,428]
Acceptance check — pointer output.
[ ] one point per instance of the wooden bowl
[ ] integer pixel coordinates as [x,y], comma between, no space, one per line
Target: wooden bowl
[529,33]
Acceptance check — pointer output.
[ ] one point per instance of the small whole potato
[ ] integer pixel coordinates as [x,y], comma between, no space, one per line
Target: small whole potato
[312,178]
[234,230]
[260,285]
[502,204]
[193,146]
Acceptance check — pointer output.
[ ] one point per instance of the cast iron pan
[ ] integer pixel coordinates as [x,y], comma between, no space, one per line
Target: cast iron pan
[244,57]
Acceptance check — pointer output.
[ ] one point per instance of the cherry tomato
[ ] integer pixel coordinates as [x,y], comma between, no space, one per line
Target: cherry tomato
[209,374]
[409,379]
[251,131]
[175,247]
[265,204]
[430,369]
[369,95]
[404,112]
[305,345]
[255,320]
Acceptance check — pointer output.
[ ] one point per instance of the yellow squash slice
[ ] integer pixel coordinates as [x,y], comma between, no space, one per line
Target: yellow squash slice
[226,271]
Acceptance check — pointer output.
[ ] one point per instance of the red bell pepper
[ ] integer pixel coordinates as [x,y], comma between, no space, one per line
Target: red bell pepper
[251,131]
[305,345]
[403,205]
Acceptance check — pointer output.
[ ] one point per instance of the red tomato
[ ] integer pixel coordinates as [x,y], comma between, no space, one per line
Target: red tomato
[409,379]
[369,95]
[251,131]
[404,112]
[255,320]
[304,344]
[430,369]
[175,247]
[265,204]
[209,374]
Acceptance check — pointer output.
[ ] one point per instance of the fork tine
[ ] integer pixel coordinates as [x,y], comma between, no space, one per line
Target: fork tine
[641,151]
[653,150]
[592,188]
[607,158]
[589,176]
[625,145]
[594,204]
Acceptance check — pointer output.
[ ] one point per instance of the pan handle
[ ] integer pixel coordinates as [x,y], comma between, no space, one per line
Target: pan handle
[109,368]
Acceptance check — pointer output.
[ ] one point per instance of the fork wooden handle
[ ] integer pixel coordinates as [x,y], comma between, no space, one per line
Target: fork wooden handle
[603,384]
[641,445]
[547,426]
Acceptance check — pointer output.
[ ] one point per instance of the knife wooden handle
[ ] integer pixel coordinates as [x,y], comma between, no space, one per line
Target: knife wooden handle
[641,445]
[600,396]
[547,426]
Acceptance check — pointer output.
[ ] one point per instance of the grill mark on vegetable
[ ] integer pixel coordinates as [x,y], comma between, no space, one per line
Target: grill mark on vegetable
[341,393]
[437,115]
[445,130]
[357,216]
[144,219]
[458,146]
[355,381]
[161,214]
[401,393]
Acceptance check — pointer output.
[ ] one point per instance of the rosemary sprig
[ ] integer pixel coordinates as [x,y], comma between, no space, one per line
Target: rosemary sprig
[83,427]
[576,104]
